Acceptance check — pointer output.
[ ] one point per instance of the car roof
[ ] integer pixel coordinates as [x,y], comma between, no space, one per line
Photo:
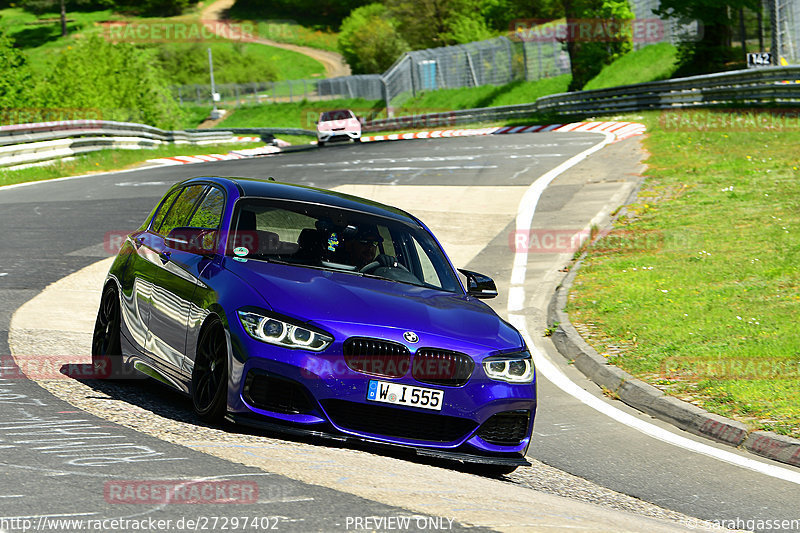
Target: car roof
[261,188]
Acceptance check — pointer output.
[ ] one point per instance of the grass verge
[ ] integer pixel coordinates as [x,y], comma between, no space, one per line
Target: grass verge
[517,92]
[650,63]
[108,160]
[184,60]
[303,114]
[293,115]
[697,285]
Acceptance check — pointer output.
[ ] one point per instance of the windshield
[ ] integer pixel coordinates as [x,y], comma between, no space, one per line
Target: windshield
[314,236]
[339,114]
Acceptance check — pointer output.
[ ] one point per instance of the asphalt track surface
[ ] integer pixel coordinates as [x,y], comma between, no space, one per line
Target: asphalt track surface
[52,230]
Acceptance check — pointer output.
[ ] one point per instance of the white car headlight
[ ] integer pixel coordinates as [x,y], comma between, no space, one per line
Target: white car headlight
[282,333]
[512,368]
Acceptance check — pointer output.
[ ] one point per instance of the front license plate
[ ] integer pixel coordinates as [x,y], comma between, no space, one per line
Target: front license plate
[398,394]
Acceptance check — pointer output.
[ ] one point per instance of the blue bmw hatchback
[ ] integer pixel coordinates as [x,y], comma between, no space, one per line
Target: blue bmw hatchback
[308,311]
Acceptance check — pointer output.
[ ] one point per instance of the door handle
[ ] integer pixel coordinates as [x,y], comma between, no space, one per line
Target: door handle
[164,256]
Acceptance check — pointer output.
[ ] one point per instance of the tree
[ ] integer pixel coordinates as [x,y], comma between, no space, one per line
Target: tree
[712,51]
[434,23]
[319,13]
[369,40]
[500,14]
[144,7]
[598,32]
[113,81]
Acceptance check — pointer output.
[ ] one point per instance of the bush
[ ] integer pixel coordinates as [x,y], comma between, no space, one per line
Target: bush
[15,79]
[369,40]
[588,57]
[111,81]
[185,64]
[315,13]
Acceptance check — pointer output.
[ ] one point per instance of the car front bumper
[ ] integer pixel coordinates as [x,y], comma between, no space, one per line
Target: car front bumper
[318,394]
[338,135]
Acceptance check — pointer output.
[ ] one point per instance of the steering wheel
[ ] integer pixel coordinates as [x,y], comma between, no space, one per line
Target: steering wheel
[383,260]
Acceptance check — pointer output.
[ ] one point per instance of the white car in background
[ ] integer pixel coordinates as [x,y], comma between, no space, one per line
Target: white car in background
[338,125]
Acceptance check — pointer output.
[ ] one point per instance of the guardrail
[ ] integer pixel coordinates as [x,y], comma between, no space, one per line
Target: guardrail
[741,88]
[22,144]
[266,131]
[774,86]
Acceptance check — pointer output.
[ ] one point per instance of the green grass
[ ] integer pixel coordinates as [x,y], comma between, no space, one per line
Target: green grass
[41,40]
[650,63]
[698,283]
[107,160]
[286,32]
[194,115]
[297,139]
[234,61]
[292,115]
[303,114]
[517,92]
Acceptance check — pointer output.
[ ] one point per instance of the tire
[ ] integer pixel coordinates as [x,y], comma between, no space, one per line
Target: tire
[320,143]
[210,374]
[106,346]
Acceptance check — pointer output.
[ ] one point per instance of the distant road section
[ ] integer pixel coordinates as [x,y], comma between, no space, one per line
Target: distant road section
[334,63]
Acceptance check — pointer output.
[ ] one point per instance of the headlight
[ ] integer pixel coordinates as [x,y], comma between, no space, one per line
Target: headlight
[282,333]
[513,368]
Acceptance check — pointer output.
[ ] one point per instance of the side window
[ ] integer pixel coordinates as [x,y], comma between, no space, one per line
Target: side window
[181,209]
[209,214]
[429,274]
[388,244]
[162,210]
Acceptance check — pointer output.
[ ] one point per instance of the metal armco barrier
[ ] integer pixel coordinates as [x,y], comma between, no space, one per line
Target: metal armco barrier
[775,86]
[32,143]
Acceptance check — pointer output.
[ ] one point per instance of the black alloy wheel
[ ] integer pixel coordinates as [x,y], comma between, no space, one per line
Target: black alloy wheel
[210,374]
[106,347]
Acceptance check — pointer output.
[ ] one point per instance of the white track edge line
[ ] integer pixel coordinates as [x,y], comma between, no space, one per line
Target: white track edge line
[553,374]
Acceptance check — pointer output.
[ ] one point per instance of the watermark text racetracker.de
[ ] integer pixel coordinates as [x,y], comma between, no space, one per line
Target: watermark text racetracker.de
[164,31]
[779,119]
[556,240]
[647,31]
[748,368]
[186,523]
[154,492]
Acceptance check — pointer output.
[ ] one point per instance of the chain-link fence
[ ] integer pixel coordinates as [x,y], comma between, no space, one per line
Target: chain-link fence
[492,62]
[787,14]
[368,87]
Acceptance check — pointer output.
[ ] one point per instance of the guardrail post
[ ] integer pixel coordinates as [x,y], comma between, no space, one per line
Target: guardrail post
[471,69]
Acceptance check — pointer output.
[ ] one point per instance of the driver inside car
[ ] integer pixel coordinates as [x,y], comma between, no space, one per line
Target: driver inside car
[362,249]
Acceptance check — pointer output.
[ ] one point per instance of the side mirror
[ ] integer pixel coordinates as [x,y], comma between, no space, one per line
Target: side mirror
[478,285]
[194,240]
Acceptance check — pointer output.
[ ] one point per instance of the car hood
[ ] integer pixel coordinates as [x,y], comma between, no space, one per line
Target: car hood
[349,304]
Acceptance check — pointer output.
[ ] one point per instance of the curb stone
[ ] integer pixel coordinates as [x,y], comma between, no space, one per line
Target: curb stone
[651,400]
[621,131]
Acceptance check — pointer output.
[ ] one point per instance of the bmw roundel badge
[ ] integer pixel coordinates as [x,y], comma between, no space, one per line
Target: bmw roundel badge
[411,337]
